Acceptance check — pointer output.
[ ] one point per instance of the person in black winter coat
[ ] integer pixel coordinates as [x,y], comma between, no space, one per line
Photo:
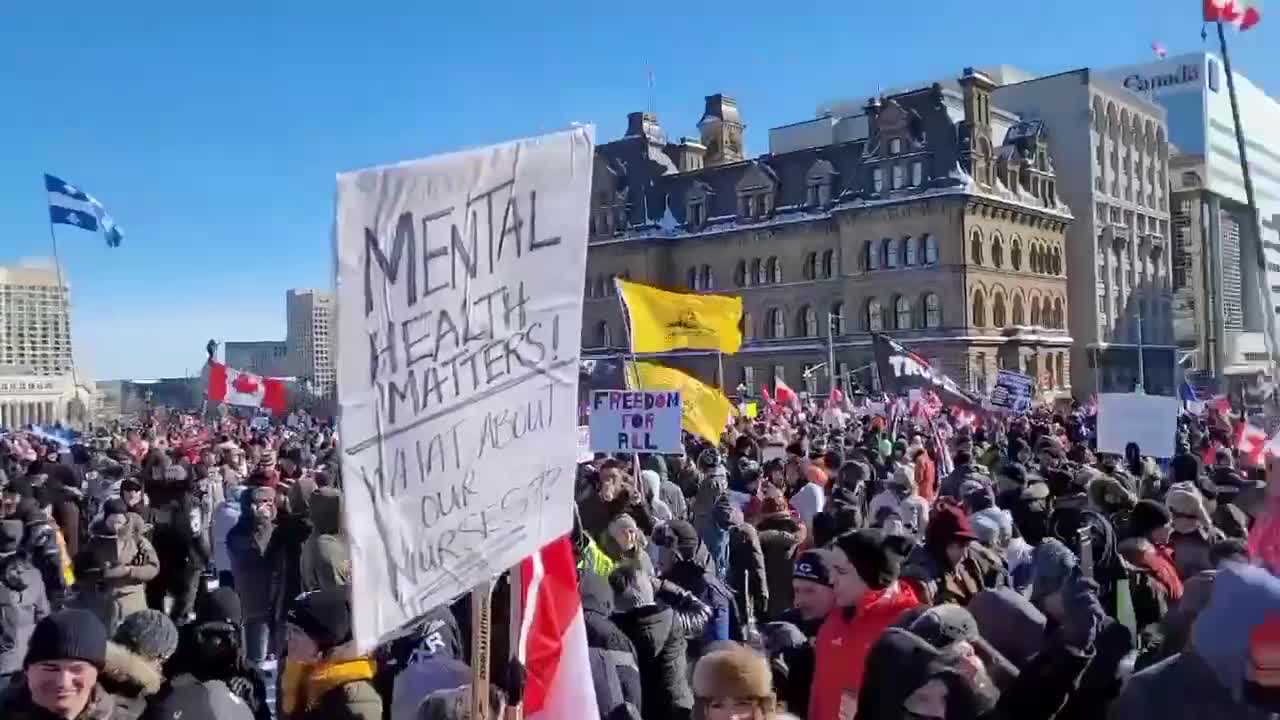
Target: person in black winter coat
[22,601]
[210,648]
[659,645]
[40,545]
[178,521]
[613,657]
[686,571]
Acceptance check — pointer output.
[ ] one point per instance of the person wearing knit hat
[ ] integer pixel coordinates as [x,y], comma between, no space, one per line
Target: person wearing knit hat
[869,598]
[1193,531]
[134,669]
[257,569]
[114,565]
[731,683]
[67,652]
[210,649]
[951,566]
[22,599]
[812,587]
[324,677]
[1147,549]
[660,646]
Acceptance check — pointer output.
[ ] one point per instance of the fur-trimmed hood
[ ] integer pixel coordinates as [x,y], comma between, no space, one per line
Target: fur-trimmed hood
[128,673]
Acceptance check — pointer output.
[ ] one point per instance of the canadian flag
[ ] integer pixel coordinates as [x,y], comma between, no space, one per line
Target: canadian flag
[236,387]
[1244,14]
[1251,441]
[783,394]
[553,638]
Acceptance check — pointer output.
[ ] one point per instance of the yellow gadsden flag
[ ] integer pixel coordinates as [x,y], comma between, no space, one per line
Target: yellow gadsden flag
[662,320]
[704,410]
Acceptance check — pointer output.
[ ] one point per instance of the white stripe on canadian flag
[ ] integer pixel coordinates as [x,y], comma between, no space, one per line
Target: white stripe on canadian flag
[237,387]
[553,638]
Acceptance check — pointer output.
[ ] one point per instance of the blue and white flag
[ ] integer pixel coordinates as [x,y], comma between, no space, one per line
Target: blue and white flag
[69,205]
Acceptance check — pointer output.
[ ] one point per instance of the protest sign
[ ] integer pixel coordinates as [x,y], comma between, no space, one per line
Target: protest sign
[1151,421]
[584,444]
[1012,392]
[635,421]
[902,371]
[457,344]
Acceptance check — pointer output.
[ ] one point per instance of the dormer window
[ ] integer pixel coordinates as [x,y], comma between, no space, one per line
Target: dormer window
[877,180]
[895,146]
[697,214]
[754,204]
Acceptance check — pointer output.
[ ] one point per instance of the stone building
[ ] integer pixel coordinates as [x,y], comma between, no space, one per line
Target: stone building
[931,215]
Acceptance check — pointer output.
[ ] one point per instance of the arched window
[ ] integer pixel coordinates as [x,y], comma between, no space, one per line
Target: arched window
[979,311]
[837,319]
[708,280]
[610,286]
[975,247]
[600,291]
[910,244]
[603,337]
[775,325]
[1035,311]
[997,311]
[997,251]
[1034,258]
[1019,318]
[902,313]
[1057,261]
[810,266]
[930,250]
[748,328]
[693,278]
[808,321]
[589,288]
[891,252]
[775,270]
[872,253]
[757,273]
[932,311]
[875,321]
[740,277]
[1015,253]
[828,263]
[1058,320]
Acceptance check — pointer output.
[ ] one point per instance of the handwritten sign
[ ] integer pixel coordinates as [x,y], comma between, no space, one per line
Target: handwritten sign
[457,361]
[584,444]
[635,421]
[1151,421]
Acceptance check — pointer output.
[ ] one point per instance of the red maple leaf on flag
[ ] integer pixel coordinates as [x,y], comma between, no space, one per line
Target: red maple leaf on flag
[246,384]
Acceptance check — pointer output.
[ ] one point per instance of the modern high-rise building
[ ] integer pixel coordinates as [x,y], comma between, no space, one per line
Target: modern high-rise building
[35,321]
[1111,149]
[269,358]
[1225,298]
[310,317]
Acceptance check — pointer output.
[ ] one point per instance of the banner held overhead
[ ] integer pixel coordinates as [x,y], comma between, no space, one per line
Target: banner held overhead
[457,367]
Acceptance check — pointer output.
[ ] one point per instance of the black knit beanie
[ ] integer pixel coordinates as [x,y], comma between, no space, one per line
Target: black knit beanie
[876,556]
[68,635]
[221,605]
[324,615]
[1146,516]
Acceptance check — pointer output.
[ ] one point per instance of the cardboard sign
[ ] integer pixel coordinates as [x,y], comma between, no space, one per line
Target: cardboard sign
[1151,421]
[1012,392]
[457,364]
[635,421]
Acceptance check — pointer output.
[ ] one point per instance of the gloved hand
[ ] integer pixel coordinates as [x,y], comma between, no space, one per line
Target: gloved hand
[1083,614]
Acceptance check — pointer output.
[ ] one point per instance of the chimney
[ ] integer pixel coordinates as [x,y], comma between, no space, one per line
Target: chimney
[722,129]
[645,124]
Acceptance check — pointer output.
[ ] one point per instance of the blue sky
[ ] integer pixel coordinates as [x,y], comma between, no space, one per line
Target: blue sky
[213,133]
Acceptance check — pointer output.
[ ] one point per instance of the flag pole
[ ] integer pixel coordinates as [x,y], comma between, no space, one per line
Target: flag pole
[66,310]
[1273,347]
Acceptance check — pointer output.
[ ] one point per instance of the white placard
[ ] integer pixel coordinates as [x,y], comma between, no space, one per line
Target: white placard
[584,444]
[1149,420]
[635,421]
[459,320]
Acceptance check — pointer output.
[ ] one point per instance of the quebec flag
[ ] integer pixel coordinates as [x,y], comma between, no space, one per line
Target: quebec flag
[69,205]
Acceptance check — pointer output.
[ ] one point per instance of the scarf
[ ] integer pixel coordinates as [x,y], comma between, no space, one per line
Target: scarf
[305,683]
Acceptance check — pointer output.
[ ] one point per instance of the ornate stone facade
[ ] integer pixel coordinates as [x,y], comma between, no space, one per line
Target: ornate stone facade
[940,226]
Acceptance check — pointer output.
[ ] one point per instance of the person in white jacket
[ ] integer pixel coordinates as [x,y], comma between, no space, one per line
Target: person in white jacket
[900,495]
[225,517]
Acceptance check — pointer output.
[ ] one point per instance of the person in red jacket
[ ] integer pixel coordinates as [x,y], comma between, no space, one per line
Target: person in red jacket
[869,597]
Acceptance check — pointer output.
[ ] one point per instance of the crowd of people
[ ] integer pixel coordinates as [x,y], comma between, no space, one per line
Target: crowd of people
[864,567]
[810,564]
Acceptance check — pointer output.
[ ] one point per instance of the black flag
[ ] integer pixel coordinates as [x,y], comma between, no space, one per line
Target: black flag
[902,370]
